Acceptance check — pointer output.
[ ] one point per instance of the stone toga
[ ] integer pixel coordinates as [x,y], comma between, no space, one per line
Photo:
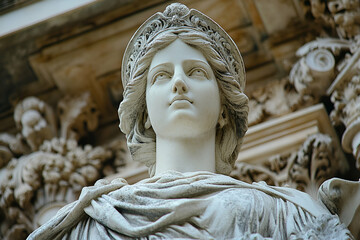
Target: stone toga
[198,205]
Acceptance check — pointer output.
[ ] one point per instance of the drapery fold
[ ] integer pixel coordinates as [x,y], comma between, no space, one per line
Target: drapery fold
[190,205]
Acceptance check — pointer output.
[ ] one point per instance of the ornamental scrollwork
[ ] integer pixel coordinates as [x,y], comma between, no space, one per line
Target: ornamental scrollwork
[43,167]
[316,161]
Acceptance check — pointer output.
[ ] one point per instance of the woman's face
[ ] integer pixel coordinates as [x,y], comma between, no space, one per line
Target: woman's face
[182,94]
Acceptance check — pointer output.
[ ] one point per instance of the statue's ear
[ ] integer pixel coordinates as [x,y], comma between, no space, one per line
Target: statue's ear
[222,121]
[147,123]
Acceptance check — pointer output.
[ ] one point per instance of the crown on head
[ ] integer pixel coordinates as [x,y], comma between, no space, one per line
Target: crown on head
[178,16]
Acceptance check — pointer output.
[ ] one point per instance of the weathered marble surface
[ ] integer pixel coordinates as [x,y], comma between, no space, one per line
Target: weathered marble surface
[342,197]
[194,205]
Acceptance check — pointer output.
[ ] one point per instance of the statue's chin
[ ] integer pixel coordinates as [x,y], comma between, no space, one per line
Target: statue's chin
[183,123]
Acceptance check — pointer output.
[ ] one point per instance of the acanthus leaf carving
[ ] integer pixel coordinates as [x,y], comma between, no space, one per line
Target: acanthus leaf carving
[40,172]
[305,170]
[55,173]
[78,115]
[346,100]
[256,112]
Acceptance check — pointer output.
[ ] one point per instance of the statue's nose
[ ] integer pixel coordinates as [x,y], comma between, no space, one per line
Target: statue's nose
[179,85]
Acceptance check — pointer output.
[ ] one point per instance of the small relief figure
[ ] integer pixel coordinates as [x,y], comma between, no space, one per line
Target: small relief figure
[36,121]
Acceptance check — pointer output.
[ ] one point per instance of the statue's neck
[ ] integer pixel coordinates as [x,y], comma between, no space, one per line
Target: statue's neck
[185,154]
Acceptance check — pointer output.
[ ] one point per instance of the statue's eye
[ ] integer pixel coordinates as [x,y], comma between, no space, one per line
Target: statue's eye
[198,72]
[161,76]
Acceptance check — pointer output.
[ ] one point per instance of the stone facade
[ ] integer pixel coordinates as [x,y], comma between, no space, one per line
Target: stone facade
[61,88]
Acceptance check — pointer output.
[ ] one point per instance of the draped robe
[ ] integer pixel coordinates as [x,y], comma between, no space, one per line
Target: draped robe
[195,205]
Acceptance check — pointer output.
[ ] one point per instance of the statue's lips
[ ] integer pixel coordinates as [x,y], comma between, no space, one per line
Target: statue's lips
[180,98]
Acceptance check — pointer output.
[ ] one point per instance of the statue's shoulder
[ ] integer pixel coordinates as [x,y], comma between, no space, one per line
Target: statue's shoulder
[71,214]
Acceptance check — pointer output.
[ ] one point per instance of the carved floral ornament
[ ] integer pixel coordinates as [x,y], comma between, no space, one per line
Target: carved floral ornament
[310,77]
[316,161]
[39,172]
[327,66]
[78,116]
[342,19]
[342,16]
[319,61]
[346,99]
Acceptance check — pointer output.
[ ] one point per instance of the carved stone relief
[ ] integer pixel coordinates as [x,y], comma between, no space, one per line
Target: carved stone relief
[11,146]
[305,170]
[36,121]
[308,80]
[78,115]
[39,172]
[122,165]
[46,180]
[275,99]
[342,16]
[321,62]
[346,111]
[344,94]
[327,66]
[122,158]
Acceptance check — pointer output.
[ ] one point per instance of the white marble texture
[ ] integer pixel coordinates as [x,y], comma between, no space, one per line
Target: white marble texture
[198,205]
[188,144]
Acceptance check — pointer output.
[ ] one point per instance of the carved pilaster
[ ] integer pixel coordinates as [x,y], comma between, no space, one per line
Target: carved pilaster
[345,94]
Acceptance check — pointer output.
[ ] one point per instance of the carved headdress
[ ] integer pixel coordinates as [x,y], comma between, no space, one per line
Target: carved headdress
[177,19]
[178,16]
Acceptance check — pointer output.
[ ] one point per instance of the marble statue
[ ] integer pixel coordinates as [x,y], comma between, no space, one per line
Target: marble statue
[184,114]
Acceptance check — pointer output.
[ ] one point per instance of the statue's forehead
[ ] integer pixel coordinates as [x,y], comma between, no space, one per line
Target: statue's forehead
[175,17]
[176,53]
